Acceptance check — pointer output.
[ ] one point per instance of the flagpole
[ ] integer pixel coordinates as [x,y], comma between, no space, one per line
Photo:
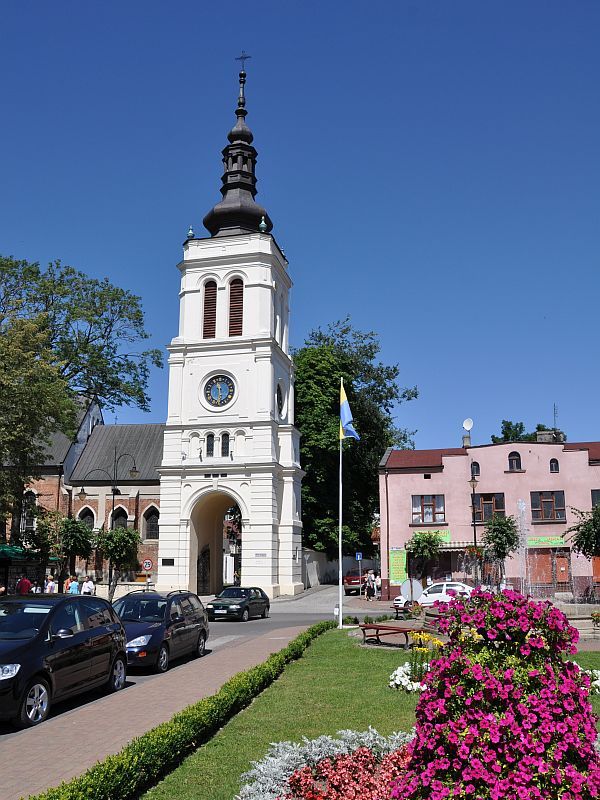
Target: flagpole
[340,576]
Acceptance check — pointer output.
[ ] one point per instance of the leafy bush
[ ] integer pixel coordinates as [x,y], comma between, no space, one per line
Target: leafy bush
[503,717]
[269,778]
[146,759]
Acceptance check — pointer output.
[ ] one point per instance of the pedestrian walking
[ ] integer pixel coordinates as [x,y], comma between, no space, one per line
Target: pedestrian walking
[50,587]
[2,590]
[36,588]
[87,586]
[378,586]
[23,585]
[370,586]
[73,585]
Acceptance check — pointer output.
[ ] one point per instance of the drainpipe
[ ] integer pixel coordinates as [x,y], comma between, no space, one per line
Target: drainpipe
[387,532]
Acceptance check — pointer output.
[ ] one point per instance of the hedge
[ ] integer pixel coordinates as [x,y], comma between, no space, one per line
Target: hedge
[145,760]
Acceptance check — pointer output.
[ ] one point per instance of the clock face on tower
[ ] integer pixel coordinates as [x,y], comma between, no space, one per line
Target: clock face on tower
[219,390]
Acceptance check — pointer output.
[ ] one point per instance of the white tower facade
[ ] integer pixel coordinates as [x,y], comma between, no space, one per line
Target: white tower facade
[230,437]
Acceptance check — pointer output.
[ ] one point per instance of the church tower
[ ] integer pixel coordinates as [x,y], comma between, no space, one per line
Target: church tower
[230,437]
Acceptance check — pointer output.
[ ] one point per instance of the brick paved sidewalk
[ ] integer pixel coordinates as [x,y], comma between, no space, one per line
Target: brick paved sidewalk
[70,743]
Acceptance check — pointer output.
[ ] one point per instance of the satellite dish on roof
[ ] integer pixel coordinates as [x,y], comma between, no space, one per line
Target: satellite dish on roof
[468,424]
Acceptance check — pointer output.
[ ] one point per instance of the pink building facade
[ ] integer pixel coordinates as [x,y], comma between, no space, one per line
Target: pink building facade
[538,483]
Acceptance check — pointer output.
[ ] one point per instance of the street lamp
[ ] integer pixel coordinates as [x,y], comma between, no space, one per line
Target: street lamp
[473,484]
[133,474]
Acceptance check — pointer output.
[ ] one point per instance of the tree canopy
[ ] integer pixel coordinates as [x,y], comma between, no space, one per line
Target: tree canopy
[372,389]
[585,537]
[515,432]
[424,548]
[120,547]
[501,540]
[62,335]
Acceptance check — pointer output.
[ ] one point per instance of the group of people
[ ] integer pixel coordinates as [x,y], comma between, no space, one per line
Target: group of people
[50,586]
[373,585]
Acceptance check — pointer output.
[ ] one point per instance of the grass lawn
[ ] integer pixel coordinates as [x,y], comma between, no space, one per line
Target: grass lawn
[336,684]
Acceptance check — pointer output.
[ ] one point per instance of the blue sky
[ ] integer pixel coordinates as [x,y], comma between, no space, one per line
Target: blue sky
[431,169]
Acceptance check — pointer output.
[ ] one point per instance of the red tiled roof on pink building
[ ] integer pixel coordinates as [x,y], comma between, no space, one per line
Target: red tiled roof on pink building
[593,448]
[420,459]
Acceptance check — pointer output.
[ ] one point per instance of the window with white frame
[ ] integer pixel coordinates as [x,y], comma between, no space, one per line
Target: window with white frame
[428,508]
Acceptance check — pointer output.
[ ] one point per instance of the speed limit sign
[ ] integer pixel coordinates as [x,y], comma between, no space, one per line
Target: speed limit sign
[147,564]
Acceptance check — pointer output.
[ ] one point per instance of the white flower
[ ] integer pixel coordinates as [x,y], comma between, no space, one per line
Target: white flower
[401,678]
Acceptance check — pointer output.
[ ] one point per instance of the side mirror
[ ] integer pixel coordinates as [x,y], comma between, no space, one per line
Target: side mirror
[63,633]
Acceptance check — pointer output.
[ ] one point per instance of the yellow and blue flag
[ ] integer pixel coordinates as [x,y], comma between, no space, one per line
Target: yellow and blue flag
[346,422]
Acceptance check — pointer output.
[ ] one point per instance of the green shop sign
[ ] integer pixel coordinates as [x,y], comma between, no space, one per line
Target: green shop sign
[545,541]
[397,565]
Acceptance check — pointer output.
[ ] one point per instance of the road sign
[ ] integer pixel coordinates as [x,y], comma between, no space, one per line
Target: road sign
[147,564]
[359,556]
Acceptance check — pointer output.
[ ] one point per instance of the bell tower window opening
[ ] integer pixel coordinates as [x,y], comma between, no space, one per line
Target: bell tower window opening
[209,326]
[225,445]
[236,307]
[210,445]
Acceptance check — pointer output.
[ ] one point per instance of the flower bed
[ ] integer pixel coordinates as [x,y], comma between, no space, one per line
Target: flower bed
[361,765]
[503,716]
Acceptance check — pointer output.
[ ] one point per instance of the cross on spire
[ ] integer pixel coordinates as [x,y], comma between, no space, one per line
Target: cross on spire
[243,58]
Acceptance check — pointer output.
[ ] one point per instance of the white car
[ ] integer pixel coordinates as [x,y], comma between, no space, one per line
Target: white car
[437,591]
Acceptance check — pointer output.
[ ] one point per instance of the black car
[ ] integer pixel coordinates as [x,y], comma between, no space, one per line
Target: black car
[236,602]
[53,647]
[160,627]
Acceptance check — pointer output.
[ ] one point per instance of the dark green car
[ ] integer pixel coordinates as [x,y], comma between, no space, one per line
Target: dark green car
[236,602]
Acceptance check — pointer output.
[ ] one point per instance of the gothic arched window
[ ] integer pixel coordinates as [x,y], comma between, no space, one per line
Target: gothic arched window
[151,523]
[475,471]
[225,445]
[554,465]
[210,445]
[209,324]
[86,515]
[120,518]
[514,462]
[236,307]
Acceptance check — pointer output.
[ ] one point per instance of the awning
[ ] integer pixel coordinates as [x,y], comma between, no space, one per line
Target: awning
[13,553]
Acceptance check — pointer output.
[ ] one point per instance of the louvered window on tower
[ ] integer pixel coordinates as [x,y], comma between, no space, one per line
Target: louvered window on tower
[209,327]
[236,307]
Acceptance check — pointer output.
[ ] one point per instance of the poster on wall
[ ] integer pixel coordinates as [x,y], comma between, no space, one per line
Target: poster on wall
[397,564]
[546,541]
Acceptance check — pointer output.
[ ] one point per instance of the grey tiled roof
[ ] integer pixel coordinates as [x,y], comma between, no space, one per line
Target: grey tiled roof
[143,442]
[59,444]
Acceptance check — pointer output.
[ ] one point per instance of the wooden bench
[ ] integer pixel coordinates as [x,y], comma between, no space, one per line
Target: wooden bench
[375,630]
[401,613]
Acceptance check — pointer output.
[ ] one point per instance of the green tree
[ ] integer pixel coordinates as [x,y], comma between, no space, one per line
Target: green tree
[515,432]
[424,549]
[340,351]
[500,540]
[62,538]
[585,537]
[120,547]
[35,400]
[62,335]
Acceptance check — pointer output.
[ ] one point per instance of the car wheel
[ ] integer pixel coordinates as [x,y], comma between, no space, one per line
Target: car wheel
[201,646]
[35,705]
[245,615]
[265,612]
[347,592]
[407,604]
[118,675]
[162,661]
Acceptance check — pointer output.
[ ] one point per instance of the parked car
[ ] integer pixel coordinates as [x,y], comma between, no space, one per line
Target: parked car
[237,602]
[437,591]
[353,580]
[53,647]
[161,627]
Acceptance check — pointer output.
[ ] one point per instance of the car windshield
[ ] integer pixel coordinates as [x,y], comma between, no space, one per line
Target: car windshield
[141,609]
[235,591]
[20,619]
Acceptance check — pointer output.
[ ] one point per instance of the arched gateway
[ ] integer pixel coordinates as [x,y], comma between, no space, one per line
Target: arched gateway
[230,437]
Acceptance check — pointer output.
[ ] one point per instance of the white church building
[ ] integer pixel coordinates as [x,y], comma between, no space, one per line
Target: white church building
[230,438]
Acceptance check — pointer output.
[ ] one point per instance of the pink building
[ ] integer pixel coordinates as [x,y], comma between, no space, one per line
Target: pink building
[539,483]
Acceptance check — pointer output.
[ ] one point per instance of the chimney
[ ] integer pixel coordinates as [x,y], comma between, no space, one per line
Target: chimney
[467,439]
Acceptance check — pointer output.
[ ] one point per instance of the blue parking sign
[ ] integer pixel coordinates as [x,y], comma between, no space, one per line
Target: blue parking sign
[359,556]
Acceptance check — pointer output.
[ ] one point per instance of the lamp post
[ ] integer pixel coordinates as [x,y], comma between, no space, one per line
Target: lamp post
[133,474]
[473,484]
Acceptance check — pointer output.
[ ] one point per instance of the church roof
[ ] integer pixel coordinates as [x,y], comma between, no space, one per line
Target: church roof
[238,212]
[143,442]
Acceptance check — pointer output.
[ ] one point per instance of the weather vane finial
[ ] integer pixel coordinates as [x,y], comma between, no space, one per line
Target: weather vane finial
[243,58]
